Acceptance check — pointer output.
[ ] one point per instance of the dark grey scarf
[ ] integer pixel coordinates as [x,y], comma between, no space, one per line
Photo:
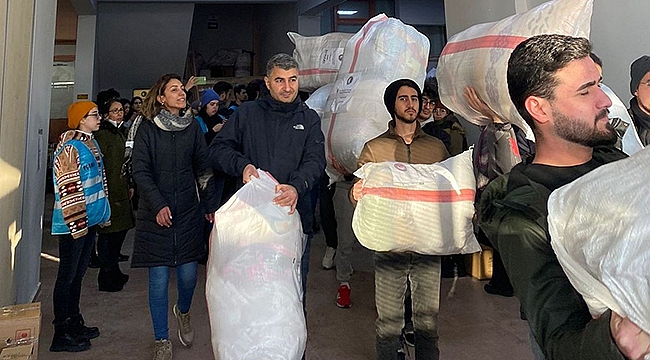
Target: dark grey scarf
[169,122]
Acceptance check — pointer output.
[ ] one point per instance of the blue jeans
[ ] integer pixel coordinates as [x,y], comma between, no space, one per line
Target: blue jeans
[158,297]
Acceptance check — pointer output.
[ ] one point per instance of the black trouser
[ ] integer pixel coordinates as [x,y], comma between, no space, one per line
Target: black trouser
[109,246]
[327,216]
[74,256]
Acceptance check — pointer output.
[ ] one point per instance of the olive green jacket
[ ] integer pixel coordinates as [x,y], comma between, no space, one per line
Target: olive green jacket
[111,142]
[513,211]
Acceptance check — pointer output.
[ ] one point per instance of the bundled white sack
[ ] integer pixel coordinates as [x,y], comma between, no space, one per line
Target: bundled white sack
[599,231]
[630,142]
[426,209]
[479,56]
[319,58]
[253,284]
[384,50]
[318,99]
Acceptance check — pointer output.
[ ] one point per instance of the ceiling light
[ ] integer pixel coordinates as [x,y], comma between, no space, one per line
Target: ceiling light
[347,12]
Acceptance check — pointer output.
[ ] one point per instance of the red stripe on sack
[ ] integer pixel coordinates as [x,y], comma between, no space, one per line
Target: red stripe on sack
[441,196]
[488,41]
[316,72]
[366,29]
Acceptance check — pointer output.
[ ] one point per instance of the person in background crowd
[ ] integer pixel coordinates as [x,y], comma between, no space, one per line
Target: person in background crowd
[256,89]
[555,88]
[129,117]
[80,205]
[111,138]
[212,122]
[395,272]
[429,96]
[176,186]
[640,103]
[240,96]
[224,90]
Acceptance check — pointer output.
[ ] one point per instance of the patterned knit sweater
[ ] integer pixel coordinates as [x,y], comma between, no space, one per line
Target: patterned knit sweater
[66,171]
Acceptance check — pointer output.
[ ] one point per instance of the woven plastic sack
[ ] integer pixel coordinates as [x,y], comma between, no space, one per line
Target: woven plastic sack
[384,50]
[479,56]
[599,231]
[426,209]
[318,99]
[319,58]
[253,287]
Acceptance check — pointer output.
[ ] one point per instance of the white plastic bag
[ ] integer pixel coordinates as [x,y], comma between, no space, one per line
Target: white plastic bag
[318,99]
[384,50]
[319,58]
[631,143]
[479,56]
[253,287]
[427,209]
[600,228]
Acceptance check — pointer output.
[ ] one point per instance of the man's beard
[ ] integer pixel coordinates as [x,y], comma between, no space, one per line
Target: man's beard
[575,131]
[405,120]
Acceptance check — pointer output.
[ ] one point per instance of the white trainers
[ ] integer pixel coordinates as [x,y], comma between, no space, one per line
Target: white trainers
[328,258]
[185,331]
[162,350]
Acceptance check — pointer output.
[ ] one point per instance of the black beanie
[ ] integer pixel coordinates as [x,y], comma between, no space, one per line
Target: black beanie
[638,69]
[390,95]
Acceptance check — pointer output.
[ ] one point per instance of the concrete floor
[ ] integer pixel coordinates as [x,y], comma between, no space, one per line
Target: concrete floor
[473,324]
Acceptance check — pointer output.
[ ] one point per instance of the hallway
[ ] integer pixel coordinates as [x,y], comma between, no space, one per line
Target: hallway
[473,324]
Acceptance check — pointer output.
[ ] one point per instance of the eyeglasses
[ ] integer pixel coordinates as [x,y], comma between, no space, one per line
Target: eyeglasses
[428,103]
[116,111]
[95,115]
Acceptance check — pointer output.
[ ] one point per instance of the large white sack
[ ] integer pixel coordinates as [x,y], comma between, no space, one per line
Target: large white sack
[253,284]
[319,58]
[600,231]
[479,56]
[384,50]
[631,143]
[427,209]
[318,99]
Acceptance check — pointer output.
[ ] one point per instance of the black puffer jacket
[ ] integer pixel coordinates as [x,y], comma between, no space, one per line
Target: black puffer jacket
[283,139]
[167,166]
[513,212]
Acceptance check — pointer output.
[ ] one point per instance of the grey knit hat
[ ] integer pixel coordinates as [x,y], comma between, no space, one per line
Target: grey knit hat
[638,69]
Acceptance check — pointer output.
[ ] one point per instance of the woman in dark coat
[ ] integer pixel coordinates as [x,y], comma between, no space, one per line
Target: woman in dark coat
[111,138]
[176,187]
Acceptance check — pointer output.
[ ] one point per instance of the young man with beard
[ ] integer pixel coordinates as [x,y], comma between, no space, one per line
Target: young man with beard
[555,87]
[394,271]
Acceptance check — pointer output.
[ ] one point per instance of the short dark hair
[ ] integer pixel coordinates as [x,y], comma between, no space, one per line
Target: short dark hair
[238,88]
[281,60]
[533,64]
[222,86]
[390,94]
[596,59]
[431,88]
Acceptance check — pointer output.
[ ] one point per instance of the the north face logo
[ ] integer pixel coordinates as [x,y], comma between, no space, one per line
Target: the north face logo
[299,127]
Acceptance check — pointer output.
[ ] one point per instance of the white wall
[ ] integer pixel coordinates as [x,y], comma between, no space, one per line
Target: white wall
[138,42]
[85,57]
[27,270]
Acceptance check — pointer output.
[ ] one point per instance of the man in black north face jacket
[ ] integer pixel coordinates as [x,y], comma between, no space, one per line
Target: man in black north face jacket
[281,135]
